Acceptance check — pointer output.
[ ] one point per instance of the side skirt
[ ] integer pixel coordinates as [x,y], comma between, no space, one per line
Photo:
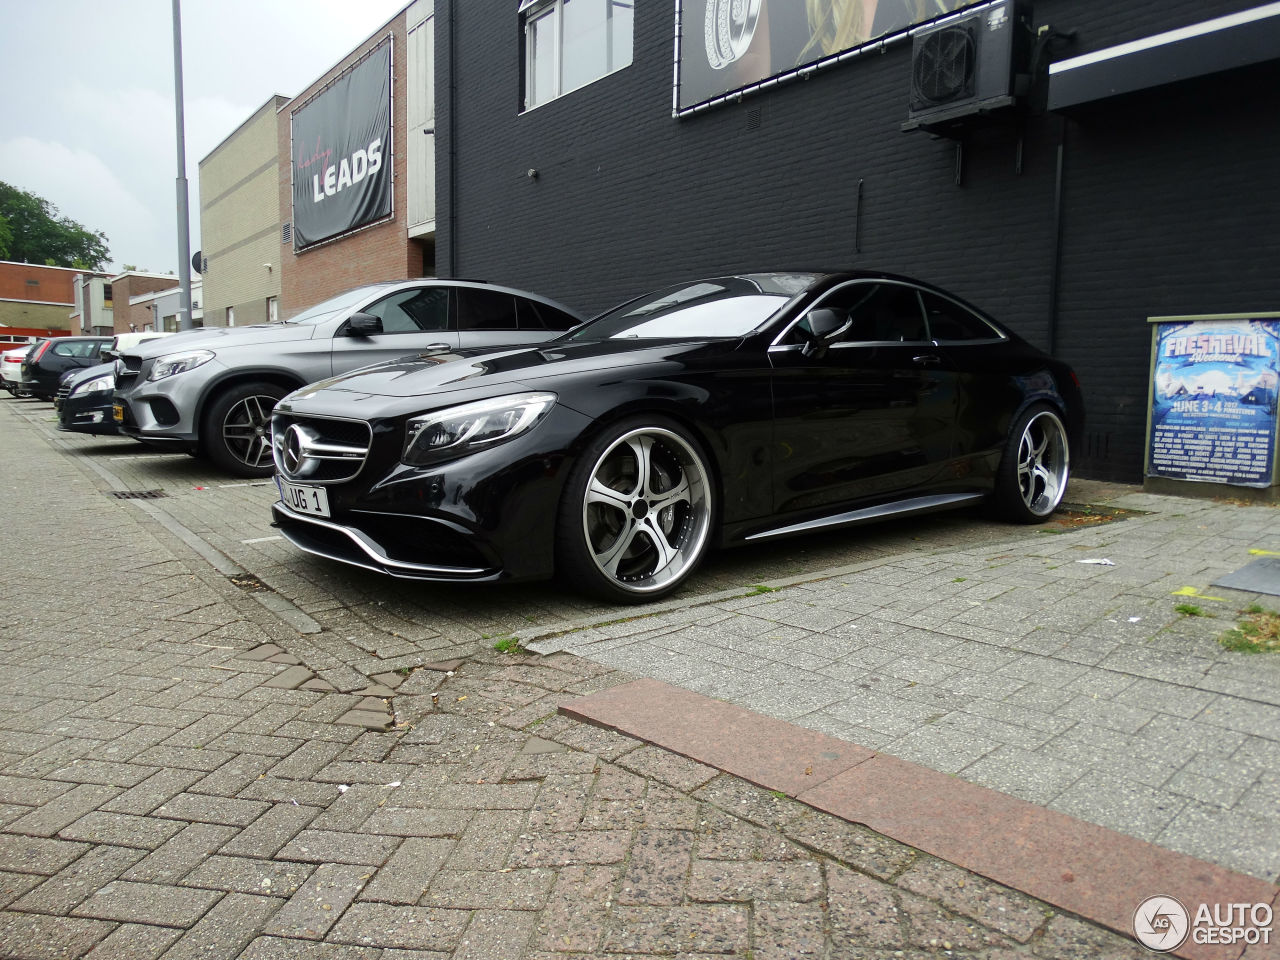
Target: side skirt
[898,508]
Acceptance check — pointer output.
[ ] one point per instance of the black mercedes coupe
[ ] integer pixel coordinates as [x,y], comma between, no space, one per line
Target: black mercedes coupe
[724,411]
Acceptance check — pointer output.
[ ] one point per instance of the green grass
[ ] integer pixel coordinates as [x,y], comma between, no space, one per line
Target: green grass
[1258,632]
[1189,610]
[761,588]
[508,645]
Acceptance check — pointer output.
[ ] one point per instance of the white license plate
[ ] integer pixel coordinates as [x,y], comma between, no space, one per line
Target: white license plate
[304,498]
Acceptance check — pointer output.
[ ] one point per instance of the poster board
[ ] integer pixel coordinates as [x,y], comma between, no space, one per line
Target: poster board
[1213,392]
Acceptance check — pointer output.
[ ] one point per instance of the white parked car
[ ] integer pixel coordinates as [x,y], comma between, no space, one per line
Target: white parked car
[11,369]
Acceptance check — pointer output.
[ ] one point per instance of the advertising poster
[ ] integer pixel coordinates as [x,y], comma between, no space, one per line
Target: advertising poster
[342,153]
[730,44]
[1213,401]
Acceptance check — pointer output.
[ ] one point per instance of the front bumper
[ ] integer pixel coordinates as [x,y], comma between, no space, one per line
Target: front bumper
[353,546]
[490,515]
[87,413]
[164,412]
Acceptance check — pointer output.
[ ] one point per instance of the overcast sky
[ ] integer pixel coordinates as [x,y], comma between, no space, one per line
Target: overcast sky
[86,99]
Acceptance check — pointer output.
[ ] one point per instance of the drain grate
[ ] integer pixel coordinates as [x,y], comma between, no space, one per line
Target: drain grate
[138,494]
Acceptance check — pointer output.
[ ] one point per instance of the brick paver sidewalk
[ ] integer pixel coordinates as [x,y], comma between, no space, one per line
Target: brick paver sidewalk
[172,786]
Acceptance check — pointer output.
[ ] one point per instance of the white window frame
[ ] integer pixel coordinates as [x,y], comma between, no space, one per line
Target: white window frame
[534,10]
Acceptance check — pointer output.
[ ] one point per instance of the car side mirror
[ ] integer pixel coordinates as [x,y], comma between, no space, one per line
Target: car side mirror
[106,355]
[363,325]
[825,325]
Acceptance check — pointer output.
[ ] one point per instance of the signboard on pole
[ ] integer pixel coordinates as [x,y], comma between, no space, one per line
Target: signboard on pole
[341,144]
[1213,399]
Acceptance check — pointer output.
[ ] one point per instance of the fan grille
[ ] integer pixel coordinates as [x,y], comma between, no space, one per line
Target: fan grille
[944,66]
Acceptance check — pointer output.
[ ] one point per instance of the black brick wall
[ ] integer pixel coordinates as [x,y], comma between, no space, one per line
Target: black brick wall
[1170,200]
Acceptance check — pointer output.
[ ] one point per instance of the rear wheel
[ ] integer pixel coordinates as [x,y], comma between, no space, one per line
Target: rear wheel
[1034,468]
[236,431]
[635,518]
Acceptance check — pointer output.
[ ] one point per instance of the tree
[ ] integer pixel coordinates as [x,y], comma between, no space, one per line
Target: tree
[37,234]
[6,238]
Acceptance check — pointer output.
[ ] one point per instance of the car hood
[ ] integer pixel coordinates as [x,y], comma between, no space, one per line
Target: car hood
[220,338]
[85,374]
[421,374]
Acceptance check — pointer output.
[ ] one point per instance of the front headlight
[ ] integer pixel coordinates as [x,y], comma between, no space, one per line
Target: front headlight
[179,363]
[455,431]
[104,382]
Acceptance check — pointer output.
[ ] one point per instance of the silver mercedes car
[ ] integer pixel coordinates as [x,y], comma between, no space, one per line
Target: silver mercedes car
[210,392]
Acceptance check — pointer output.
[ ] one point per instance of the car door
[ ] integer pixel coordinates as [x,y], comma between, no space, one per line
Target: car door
[871,416]
[986,389]
[414,320]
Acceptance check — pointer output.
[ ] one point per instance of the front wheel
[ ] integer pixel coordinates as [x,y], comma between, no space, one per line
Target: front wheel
[635,518]
[1035,467]
[236,431]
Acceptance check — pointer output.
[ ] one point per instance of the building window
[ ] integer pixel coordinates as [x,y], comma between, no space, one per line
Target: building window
[569,43]
[273,309]
[231,316]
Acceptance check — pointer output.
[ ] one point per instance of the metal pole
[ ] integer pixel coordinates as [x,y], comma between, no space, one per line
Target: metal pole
[185,321]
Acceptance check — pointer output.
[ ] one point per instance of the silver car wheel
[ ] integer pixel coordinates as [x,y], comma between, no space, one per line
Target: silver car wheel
[1043,463]
[246,430]
[646,512]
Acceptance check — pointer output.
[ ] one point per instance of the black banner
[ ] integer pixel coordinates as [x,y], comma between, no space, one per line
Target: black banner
[730,44]
[342,153]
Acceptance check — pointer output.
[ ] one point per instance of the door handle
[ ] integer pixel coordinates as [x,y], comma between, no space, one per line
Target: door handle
[436,347]
[927,360]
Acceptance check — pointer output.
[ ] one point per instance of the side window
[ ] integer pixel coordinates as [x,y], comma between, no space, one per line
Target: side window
[413,311]
[948,321]
[485,310]
[532,315]
[878,313]
[81,348]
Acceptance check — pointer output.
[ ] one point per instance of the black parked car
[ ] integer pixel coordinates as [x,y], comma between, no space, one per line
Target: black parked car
[42,370]
[726,411]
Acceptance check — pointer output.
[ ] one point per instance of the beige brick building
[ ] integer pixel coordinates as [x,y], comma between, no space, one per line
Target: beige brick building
[240,222]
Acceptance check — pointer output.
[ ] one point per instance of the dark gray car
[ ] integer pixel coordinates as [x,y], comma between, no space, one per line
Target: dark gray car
[211,391]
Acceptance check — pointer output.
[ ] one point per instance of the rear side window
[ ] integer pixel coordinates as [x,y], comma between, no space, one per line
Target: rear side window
[532,315]
[951,323]
[81,348]
[485,310]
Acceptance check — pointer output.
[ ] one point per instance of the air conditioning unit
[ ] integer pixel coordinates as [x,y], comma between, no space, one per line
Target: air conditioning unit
[967,66]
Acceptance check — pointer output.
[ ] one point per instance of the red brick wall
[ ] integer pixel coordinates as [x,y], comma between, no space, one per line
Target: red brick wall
[131,286]
[381,252]
[51,285]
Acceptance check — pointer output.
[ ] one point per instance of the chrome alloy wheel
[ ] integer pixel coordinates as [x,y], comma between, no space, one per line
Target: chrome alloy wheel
[646,513]
[1043,463]
[246,430]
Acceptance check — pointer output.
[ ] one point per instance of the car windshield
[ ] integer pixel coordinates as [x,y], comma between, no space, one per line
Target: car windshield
[724,307]
[327,308]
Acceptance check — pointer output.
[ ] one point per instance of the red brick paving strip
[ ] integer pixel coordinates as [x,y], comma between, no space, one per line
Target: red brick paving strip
[1080,867]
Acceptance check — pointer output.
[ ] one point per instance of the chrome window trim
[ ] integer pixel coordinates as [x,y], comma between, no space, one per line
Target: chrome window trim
[782,347]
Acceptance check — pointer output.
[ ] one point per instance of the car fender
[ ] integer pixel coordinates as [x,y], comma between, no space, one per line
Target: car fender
[232,376]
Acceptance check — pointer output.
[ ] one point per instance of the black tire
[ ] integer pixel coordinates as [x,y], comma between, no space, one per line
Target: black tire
[1035,467]
[235,432]
[628,538]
